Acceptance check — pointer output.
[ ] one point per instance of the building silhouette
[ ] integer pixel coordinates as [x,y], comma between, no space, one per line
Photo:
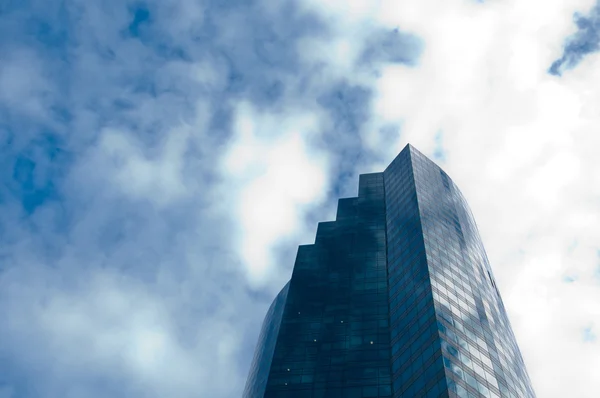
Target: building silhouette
[395,298]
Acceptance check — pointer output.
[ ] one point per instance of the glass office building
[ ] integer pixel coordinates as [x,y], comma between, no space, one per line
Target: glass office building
[395,298]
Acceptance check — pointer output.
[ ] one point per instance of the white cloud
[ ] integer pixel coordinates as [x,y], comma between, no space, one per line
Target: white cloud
[344,13]
[25,87]
[518,143]
[521,145]
[111,326]
[273,177]
[159,180]
[551,178]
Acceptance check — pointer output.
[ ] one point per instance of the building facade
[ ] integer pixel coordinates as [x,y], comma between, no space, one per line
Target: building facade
[395,298]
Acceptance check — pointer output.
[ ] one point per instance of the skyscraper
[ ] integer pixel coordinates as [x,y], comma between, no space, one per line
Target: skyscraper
[395,298]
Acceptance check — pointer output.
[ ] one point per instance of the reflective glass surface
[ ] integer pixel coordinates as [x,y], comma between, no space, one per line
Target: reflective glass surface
[263,354]
[417,366]
[395,298]
[480,352]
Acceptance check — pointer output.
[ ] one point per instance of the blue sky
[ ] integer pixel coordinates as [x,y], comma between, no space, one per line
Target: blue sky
[161,162]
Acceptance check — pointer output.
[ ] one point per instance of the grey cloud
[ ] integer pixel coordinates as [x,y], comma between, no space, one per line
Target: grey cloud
[90,235]
[585,41]
[392,46]
[347,106]
[72,237]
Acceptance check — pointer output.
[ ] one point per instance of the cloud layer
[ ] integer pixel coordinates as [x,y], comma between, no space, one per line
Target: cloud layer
[158,160]
[161,162]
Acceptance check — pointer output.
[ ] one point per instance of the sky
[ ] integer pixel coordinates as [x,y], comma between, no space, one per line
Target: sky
[161,161]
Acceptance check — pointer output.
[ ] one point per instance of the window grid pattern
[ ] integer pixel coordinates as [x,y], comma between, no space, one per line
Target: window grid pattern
[334,337]
[417,366]
[263,355]
[396,298]
[479,349]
